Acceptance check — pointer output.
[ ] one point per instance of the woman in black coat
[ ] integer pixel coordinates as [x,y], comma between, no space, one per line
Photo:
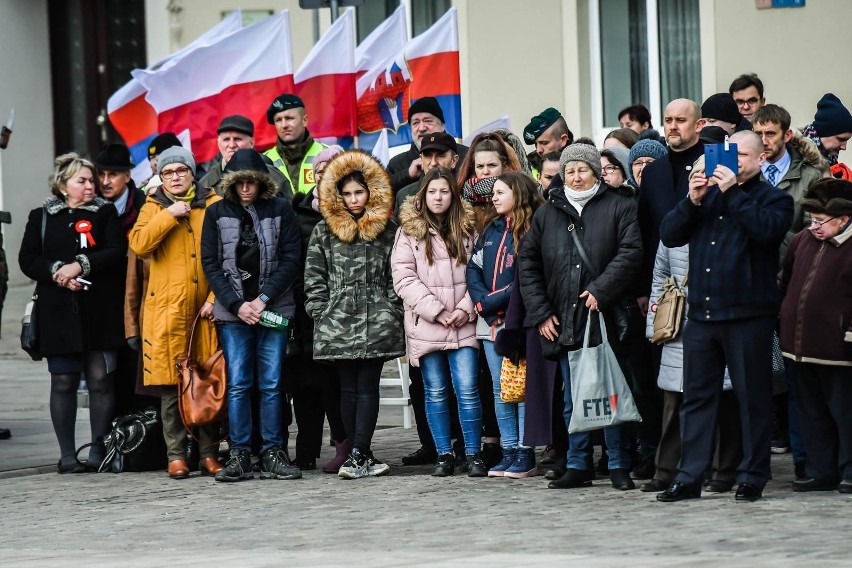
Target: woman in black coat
[559,290]
[79,269]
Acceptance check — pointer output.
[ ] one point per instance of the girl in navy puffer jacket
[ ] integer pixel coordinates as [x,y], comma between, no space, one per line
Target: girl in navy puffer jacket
[490,274]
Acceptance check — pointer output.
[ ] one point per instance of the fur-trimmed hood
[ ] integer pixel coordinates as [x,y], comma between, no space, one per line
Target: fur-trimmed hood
[266,186]
[809,152]
[414,224]
[379,205]
[54,205]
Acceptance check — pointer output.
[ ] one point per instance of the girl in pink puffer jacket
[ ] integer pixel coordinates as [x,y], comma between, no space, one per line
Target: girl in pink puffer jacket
[429,259]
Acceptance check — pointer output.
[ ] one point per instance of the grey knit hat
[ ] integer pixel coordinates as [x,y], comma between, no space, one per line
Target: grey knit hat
[176,155]
[581,153]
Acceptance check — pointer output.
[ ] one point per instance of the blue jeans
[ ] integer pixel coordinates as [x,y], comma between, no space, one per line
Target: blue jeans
[579,446]
[510,415]
[458,367]
[254,350]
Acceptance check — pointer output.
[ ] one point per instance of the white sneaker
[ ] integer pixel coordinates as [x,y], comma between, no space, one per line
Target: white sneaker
[355,466]
[376,467]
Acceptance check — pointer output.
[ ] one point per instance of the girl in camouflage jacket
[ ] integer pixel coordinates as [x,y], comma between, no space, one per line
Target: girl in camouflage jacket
[350,296]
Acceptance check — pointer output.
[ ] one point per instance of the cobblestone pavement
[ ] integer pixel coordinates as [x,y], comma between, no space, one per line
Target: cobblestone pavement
[405,519]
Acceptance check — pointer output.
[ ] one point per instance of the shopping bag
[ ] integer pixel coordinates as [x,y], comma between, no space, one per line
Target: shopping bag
[599,391]
[513,380]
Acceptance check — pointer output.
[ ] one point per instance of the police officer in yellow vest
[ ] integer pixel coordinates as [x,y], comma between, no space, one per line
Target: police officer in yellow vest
[294,151]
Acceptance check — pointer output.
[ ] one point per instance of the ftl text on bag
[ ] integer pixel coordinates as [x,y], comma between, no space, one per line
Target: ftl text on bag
[599,391]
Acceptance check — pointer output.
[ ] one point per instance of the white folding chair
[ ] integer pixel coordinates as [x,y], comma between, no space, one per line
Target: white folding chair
[403,382]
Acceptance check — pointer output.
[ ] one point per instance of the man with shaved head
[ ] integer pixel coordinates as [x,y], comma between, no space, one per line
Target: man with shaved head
[733,224]
[664,183]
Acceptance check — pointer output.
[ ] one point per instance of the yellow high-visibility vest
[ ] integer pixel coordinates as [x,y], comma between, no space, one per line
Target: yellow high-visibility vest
[305,183]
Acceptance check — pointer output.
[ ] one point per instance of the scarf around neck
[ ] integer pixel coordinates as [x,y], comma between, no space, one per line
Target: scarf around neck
[579,198]
[186,197]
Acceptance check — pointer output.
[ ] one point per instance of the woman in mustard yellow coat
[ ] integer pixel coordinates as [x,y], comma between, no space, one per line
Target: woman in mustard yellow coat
[168,232]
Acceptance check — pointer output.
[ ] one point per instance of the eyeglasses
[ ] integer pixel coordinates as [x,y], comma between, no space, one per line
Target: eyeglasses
[746,102]
[821,223]
[642,162]
[180,172]
[609,169]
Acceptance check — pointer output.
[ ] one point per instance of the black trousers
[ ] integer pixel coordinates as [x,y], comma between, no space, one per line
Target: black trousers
[729,448]
[745,346]
[359,399]
[490,428]
[823,395]
[304,381]
[640,361]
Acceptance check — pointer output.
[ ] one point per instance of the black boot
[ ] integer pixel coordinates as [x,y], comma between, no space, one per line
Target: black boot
[573,478]
[421,456]
[238,467]
[491,454]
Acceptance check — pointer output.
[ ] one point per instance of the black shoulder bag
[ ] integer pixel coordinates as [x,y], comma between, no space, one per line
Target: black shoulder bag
[128,434]
[29,323]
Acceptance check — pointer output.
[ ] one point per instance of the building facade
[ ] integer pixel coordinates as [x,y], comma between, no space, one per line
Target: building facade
[588,58]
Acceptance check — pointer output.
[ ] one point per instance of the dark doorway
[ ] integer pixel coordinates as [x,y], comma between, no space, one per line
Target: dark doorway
[94,44]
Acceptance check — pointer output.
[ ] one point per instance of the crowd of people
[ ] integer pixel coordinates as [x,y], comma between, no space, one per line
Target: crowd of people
[311,266]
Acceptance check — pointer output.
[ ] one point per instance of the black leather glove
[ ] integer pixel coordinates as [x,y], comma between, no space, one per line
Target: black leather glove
[134,342]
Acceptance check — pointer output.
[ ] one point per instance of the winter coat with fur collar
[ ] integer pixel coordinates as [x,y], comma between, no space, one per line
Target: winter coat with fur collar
[806,166]
[348,287]
[75,322]
[431,290]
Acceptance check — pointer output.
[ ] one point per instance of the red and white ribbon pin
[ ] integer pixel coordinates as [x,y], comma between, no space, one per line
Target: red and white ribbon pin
[85,229]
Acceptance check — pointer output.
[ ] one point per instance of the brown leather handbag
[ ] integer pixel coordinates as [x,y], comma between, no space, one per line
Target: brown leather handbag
[203,386]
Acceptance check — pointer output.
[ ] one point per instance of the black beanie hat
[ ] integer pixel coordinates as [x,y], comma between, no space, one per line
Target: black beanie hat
[246,159]
[721,106]
[162,142]
[426,104]
[282,103]
[832,118]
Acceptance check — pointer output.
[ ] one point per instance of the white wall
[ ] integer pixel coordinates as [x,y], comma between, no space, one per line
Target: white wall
[25,85]
[518,59]
[521,56]
[799,53]
[198,16]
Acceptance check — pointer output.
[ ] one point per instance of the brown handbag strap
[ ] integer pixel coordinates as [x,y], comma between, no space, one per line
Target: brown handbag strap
[192,335]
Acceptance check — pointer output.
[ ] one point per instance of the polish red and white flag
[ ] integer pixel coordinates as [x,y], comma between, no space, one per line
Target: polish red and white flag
[130,114]
[326,81]
[239,74]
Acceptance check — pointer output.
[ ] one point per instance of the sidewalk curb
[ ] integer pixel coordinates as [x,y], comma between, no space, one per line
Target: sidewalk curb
[27,471]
